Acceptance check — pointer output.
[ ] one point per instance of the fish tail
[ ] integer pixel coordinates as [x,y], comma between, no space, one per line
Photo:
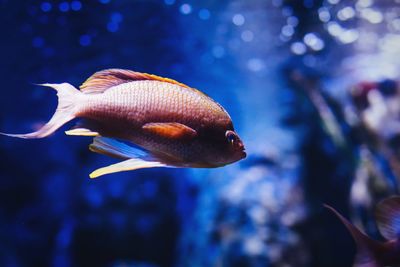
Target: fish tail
[367,248]
[67,108]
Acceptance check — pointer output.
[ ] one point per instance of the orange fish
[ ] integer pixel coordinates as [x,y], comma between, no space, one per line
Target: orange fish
[372,253]
[164,123]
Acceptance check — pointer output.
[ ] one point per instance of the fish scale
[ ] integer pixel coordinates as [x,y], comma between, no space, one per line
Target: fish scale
[149,101]
[163,102]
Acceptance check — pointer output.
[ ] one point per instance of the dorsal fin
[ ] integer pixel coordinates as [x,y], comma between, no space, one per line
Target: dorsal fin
[102,80]
[388,217]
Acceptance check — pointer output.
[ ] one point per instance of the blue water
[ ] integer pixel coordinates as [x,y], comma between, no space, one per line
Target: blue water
[263,211]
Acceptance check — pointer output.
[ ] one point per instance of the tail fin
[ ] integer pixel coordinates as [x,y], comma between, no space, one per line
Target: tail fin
[66,110]
[387,215]
[369,251]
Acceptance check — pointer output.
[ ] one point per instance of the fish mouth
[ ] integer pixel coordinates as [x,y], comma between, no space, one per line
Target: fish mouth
[243,154]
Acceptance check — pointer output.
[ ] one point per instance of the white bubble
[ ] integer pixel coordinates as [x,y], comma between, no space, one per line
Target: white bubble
[218,51]
[373,16]
[85,40]
[334,28]
[309,38]
[346,13]
[287,30]
[333,2]
[185,9]
[363,3]
[284,38]
[313,41]
[238,19]
[319,45]
[258,214]
[255,64]
[287,11]
[204,14]
[292,21]
[247,36]
[323,14]
[298,48]
[254,246]
[348,36]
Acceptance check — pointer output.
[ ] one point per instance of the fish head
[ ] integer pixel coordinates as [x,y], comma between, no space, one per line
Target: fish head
[226,149]
[234,147]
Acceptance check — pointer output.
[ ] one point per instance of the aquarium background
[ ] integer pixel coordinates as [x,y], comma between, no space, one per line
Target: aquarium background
[284,70]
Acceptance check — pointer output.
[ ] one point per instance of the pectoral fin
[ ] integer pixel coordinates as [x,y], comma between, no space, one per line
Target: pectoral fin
[387,215]
[170,130]
[127,165]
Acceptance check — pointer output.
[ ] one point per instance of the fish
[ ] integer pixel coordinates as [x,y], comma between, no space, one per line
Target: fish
[145,120]
[373,253]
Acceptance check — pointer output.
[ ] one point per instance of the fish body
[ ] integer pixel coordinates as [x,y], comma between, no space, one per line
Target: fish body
[124,110]
[372,253]
[165,122]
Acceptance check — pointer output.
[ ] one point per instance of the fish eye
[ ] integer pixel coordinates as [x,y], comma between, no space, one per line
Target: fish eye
[231,136]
